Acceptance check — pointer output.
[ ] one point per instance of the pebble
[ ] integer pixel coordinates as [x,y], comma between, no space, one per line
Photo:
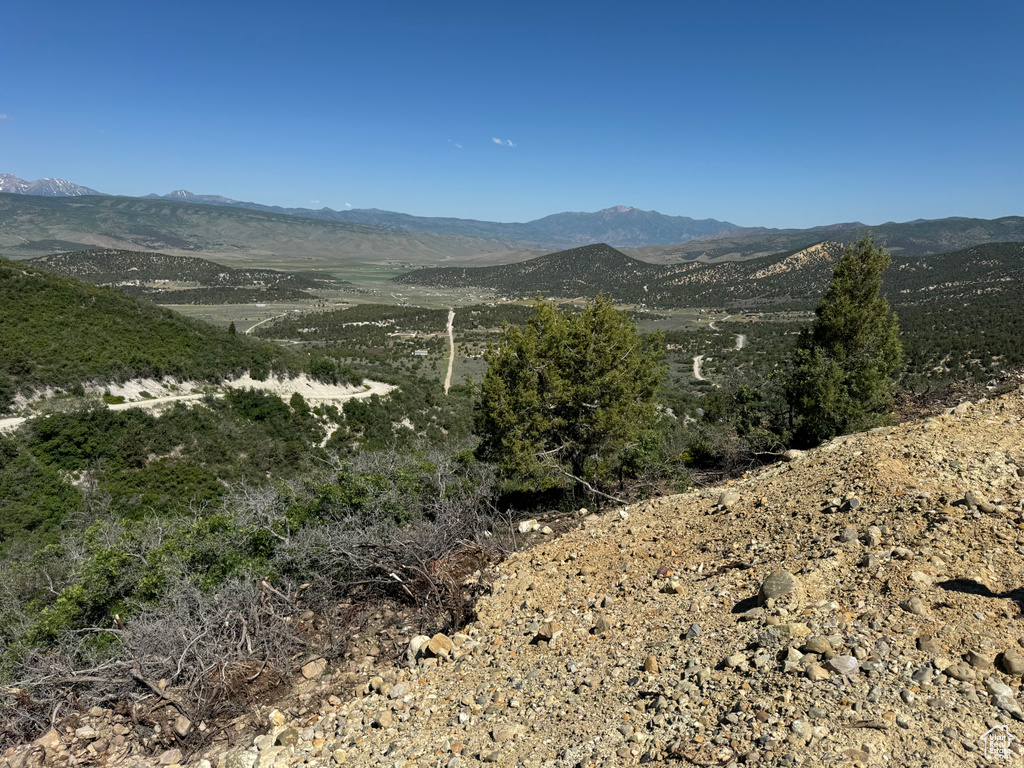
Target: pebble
[844,665]
[915,605]
[816,672]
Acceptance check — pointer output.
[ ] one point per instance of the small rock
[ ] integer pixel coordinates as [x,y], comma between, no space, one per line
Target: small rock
[527,526]
[549,630]
[384,719]
[930,645]
[736,660]
[1009,705]
[980,661]
[313,669]
[277,717]
[793,630]
[801,727]
[505,732]
[182,726]
[49,740]
[170,757]
[922,578]
[651,665]
[915,605]
[440,645]
[959,671]
[816,672]
[848,534]
[693,632]
[997,687]
[817,644]
[289,737]
[602,625]
[399,690]
[415,649]
[1012,661]
[978,501]
[779,584]
[242,758]
[792,455]
[86,733]
[844,665]
[729,498]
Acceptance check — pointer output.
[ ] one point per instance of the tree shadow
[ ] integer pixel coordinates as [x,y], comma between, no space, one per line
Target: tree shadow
[972,587]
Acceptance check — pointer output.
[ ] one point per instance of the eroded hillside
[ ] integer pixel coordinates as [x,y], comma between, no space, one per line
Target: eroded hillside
[859,604]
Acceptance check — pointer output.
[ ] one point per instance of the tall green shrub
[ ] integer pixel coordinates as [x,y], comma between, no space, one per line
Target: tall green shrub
[570,397]
[842,378]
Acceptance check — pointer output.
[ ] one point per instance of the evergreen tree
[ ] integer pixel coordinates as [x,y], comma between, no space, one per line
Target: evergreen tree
[842,378]
[570,397]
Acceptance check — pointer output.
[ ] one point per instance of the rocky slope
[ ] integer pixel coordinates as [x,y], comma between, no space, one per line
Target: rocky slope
[859,604]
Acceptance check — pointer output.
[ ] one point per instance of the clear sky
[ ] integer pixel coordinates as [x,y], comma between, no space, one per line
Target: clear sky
[764,114]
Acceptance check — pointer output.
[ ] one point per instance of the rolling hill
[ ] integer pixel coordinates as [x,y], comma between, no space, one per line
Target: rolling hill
[147,275]
[794,278]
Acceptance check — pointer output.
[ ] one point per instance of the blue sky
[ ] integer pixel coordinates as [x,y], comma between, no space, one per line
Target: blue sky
[765,114]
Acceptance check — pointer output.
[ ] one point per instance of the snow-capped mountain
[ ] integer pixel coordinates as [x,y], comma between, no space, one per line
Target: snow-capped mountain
[186,196]
[44,187]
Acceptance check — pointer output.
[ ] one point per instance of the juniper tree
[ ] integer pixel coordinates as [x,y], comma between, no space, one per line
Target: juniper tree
[569,396]
[843,373]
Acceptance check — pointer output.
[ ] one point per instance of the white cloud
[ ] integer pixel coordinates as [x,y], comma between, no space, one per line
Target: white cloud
[503,142]
[4,117]
[457,145]
[348,205]
[314,202]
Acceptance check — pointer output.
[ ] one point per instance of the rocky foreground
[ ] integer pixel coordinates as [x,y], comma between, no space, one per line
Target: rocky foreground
[858,605]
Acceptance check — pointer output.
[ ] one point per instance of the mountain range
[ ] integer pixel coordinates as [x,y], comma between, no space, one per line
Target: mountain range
[44,187]
[618,225]
[51,215]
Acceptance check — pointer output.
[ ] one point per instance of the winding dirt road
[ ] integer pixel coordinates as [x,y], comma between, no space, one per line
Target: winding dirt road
[451,349]
[696,367]
[313,392]
[261,322]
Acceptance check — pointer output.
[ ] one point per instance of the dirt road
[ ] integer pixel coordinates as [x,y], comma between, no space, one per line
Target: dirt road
[314,392]
[9,425]
[696,367]
[261,322]
[451,349]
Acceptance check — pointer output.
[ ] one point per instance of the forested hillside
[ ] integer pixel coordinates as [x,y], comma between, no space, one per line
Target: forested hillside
[59,332]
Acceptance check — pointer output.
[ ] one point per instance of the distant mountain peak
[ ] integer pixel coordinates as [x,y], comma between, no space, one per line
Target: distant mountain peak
[618,209]
[43,187]
[190,197]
